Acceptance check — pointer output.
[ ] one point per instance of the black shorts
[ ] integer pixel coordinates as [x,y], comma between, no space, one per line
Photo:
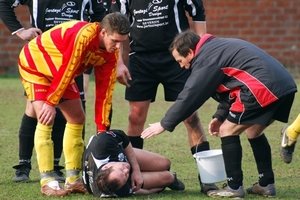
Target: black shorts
[148,70]
[89,70]
[279,110]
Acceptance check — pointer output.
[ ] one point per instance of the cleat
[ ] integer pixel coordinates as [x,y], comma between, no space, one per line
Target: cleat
[58,175]
[22,173]
[287,147]
[177,184]
[226,191]
[52,188]
[268,191]
[76,187]
[205,187]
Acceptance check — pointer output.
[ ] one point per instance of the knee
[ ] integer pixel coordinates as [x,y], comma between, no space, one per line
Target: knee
[79,119]
[136,118]
[166,164]
[29,111]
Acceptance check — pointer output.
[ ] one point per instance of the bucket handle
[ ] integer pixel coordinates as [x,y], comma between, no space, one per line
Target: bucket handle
[199,141]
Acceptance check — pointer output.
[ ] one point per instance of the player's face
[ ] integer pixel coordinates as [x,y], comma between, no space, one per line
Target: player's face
[184,62]
[111,42]
[120,172]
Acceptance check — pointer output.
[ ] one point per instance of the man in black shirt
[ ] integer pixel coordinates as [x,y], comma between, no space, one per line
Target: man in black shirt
[111,167]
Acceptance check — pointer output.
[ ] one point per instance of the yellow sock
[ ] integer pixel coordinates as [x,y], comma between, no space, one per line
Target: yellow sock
[46,180]
[73,146]
[72,175]
[44,151]
[293,130]
[44,147]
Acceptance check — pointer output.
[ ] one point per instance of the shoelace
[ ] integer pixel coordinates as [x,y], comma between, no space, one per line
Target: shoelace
[224,185]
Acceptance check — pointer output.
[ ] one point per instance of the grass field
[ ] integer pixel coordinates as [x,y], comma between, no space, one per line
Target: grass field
[172,145]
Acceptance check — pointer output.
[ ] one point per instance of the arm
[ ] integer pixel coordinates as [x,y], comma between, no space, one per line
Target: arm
[200,86]
[221,113]
[200,28]
[150,191]
[136,176]
[8,16]
[122,71]
[105,80]
[205,78]
[196,10]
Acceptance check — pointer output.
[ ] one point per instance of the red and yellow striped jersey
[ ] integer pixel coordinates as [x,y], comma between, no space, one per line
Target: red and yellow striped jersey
[60,54]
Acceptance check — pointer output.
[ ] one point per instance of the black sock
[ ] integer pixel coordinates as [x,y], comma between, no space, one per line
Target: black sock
[204,146]
[58,134]
[262,154]
[136,141]
[26,138]
[232,154]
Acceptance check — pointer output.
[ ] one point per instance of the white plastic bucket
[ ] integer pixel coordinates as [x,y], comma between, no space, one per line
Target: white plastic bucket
[211,166]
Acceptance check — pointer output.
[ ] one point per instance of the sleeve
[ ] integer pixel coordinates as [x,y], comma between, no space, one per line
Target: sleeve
[105,80]
[224,105]
[123,137]
[96,10]
[8,16]
[196,10]
[200,86]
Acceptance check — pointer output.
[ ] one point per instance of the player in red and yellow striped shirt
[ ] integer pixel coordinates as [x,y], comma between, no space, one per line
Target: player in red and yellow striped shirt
[48,65]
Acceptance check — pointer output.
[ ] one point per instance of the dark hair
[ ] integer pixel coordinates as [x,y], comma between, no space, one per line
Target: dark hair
[109,187]
[184,41]
[116,23]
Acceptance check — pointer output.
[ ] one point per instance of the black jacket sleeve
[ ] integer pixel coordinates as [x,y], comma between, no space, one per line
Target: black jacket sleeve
[8,16]
[224,105]
[205,77]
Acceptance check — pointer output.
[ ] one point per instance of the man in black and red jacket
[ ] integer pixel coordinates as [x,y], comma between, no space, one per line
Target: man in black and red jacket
[253,90]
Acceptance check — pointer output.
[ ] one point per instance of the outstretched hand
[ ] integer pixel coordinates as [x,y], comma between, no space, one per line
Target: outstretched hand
[152,130]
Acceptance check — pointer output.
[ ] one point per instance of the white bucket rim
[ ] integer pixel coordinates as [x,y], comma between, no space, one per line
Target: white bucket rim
[212,153]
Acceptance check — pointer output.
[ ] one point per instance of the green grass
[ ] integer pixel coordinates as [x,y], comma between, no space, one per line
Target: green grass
[172,145]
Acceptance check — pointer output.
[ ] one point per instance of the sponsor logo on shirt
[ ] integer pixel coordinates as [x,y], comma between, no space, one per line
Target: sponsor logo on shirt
[111,133]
